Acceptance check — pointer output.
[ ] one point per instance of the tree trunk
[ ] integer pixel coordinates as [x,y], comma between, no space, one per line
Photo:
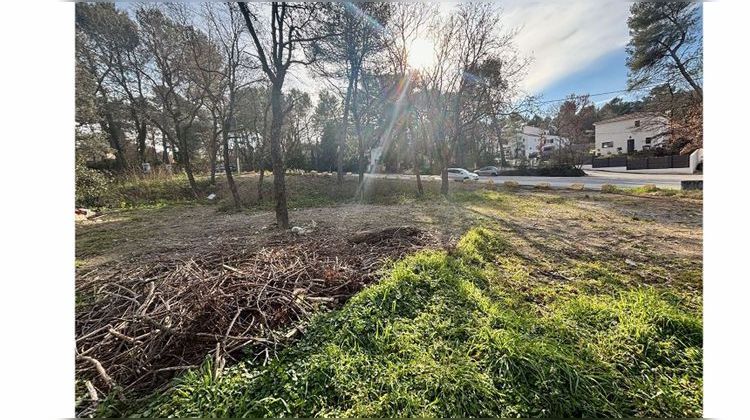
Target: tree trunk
[165,147]
[444,181]
[416,160]
[680,66]
[153,145]
[185,158]
[115,139]
[213,149]
[457,136]
[260,182]
[360,140]
[261,168]
[227,168]
[343,133]
[418,172]
[277,158]
[189,170]
[142,134]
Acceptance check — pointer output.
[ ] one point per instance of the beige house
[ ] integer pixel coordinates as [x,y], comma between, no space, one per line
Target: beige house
[629,133]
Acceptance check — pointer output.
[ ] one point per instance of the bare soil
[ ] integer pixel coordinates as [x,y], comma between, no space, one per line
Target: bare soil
[229,262]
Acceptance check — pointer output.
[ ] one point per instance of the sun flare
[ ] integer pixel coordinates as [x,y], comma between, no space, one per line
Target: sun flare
[421,54]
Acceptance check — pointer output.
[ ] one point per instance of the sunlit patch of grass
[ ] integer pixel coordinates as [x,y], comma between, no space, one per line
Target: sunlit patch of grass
[596,277]
[651,190]
[442,335]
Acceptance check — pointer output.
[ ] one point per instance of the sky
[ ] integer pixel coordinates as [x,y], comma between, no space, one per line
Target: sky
[577,46]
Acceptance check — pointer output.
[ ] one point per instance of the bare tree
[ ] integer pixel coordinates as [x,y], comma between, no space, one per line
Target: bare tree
[290,28]
[473,78]
[409,21]
[229,28]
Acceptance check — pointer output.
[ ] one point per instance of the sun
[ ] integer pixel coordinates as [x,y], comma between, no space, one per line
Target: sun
[421,54]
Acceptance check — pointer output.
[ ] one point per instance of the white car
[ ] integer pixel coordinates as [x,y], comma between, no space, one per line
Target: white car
[461,175]
[488,171]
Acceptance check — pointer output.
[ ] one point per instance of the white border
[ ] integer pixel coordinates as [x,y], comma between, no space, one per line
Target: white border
[38,238]
[37,201]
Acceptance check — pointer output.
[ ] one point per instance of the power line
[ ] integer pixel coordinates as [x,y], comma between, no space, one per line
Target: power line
[604,93]
[597,94]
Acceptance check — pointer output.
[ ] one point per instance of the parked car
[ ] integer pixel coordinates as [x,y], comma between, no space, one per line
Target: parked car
[461,174]
[220,168]
[488,171]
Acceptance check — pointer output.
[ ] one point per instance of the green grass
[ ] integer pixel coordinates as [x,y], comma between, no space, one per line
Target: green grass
[652,191]
[305,191]
[151,192]
[158,191]
[443,334]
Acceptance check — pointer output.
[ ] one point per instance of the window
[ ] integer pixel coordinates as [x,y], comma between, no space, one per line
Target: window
[648,140]
[608,144]
[637,123]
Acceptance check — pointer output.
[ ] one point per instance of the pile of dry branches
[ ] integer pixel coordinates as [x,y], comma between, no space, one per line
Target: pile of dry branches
[138,324]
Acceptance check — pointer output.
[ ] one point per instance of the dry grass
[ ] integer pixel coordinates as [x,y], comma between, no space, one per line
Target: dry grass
[555,234]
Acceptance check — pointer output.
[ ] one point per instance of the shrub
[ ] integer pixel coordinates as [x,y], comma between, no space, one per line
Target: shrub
[135,191]
[610,189]
[511,185]
[649,188]
[542,186]
[576,187]
[557,170]
[92,186]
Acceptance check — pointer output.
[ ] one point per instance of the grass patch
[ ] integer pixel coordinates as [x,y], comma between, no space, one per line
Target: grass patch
[650,190]
[305,191]
[157,191]
[148,192]
[441,336]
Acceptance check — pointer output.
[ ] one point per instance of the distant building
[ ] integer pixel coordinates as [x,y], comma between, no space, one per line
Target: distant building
[532,140]
[629,133]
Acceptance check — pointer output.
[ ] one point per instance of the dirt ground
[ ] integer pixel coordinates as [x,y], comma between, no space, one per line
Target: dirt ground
[653,240]
[544,224]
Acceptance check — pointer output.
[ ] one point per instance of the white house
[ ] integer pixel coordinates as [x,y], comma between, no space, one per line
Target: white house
[629,133]
[530,140]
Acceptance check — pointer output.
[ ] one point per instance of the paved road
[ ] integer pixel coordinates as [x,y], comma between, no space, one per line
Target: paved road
[594,180]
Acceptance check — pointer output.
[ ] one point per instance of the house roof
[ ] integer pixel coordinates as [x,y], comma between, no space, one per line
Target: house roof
[631,116]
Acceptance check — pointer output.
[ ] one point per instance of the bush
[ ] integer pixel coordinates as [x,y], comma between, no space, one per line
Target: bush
[559,170]
[649,188]
[610,189]
[576,187]
[92,186]
[511,185]
[151,190]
